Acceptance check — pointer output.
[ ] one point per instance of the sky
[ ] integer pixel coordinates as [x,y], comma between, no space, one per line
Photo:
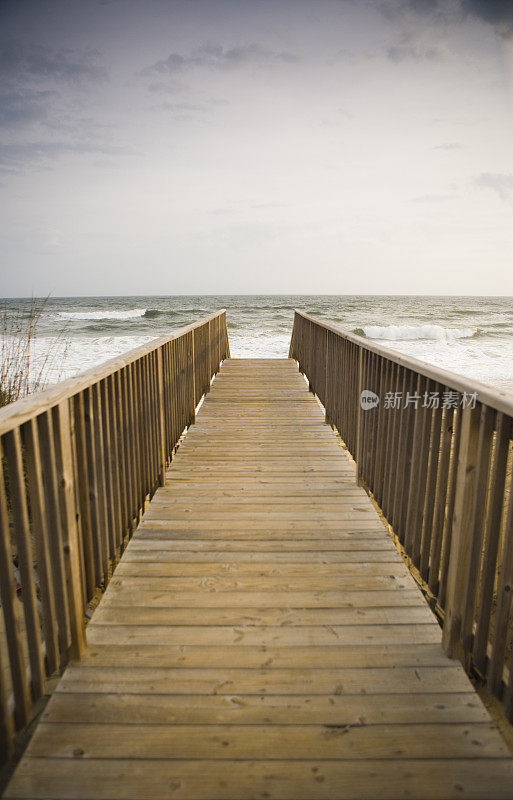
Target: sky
[256,147]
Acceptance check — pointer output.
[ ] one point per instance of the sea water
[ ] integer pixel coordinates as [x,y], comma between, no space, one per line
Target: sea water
[472,336]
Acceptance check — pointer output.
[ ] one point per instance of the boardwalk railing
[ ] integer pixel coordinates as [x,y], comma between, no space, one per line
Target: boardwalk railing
[78,463]
[434,449]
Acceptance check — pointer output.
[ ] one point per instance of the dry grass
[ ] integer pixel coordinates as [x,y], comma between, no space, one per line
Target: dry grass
[20,372]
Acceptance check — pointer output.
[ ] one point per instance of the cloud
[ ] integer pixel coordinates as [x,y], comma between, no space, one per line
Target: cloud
[500,183]
[412,52]
[498,13]
[394,9]
[15,156]
[158,87]
[184,111]
[21,107]
[423,6]
[216,57]
[23,62]
[413,44]
[38,101]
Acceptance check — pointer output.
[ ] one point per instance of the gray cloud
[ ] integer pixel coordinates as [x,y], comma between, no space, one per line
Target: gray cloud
[15,156]
[411,52]
[215,56]
[500,183]
[423,6]
[182,110]
[37,100]
[21,107]
[394,9]
[158,87]
[496,12]
[23,62]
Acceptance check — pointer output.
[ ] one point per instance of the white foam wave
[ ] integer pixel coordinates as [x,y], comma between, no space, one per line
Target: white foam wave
[107,314]
[409,332]
[467,356]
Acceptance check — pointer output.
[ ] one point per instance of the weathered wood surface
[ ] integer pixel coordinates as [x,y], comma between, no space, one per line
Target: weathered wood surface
[261,636]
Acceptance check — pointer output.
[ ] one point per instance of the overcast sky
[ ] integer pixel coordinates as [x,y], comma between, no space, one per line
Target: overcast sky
[256,146]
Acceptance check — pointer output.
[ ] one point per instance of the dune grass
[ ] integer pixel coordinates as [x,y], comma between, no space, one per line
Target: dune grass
[21,373]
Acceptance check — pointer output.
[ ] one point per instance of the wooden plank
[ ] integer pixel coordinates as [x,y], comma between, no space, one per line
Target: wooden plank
[372,553]
[257,656]
[272,742]
[462,524]
[328,710]
[117,614]
[13,453]
[97,507]
[54,521]
[41,535]
[121,779]
[354,539]
[441,492]
[503,607]
[264,635]
[83,499]
[491,536]
[484,450]
[6,717]
[227,680]
[359,577]
[70,531]
[380,595]
[11,615]
[308,556]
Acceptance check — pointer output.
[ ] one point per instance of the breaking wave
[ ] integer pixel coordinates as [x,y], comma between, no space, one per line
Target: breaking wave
[107,314]
[409,332]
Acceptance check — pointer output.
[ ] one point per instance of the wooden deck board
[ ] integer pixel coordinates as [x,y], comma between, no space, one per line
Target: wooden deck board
[262,637]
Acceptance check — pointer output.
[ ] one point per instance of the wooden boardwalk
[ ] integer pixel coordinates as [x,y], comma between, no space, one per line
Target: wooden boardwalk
[261,637]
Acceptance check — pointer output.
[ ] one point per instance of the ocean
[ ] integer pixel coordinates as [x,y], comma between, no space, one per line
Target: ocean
[472,336]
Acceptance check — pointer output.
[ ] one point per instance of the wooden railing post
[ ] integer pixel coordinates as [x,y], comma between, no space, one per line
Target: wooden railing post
[13,453]
[359,388]
[11,611]
[6,721]
[226,348]
[327,419]
[70,529]
[192,389]
[462,527]
[208,356]
[162,455]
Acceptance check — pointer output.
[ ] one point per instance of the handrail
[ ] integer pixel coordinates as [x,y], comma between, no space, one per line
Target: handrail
[78,462]
[441,472]
[496,398]
[15,414]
